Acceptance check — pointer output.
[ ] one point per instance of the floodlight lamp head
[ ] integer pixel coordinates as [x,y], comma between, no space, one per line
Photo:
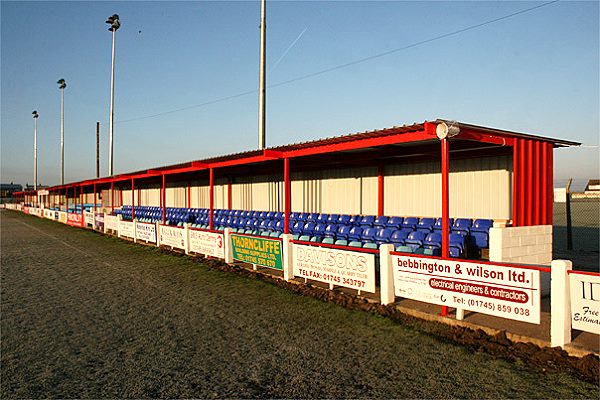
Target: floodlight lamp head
[447,129]
[62,83]
[34,114]
[114,23]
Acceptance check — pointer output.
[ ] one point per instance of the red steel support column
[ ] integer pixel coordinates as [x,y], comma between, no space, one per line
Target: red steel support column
[287,195]
[529,186]
[537,185]
[211,195]
[229,194]
[522,174]
[515,182]
[112,198]
[189,195]
[132,199]
[550,183]
[380,188]
[163,196]
[445,199]
[445,156]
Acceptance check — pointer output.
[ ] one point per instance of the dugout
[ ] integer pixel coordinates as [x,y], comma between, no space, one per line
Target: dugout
[437,169]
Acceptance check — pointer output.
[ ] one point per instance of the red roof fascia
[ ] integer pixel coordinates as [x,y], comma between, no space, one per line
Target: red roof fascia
[415,136]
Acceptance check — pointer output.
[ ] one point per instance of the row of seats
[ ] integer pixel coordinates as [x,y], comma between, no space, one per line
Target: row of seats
[408,233]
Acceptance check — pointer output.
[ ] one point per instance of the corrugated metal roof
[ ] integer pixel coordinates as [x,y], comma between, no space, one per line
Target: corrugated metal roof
[415,127]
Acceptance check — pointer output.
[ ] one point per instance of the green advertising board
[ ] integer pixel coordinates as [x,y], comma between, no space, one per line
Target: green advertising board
[255,250]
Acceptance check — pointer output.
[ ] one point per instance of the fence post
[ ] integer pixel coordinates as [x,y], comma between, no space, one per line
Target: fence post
[186,234]
[568,216]
[288,262]
[386,270]
[228,247]
[560,303]
[157,234]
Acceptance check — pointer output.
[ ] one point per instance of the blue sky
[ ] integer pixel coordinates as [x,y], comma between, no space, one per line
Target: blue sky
[537,72]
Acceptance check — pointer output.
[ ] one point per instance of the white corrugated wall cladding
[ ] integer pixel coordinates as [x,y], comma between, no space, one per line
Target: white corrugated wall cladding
[479,188]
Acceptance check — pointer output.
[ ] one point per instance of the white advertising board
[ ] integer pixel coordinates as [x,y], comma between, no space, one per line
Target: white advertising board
[585,302]
[49,214]
[501,290]
[172,236]
[145,232]
[207,243]
[350,269]
[88,218]
[111,222]
[126,229]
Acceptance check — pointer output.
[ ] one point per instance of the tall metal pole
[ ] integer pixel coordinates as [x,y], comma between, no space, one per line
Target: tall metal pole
[262,76]
[112,108]
[97,149]
[62,136]
[62,87]
[35,118]
[114,23]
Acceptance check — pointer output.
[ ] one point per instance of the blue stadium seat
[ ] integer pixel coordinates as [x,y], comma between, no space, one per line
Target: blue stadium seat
[367,221]
[480,233]
[415,240]
[380,221]
[398,237]
[330,231]
[302,217]
[394,222]
[322,218]
[462,226]
[309,228]
[355,243]
[312,217]
[344,219]
[433,241]
[409,224]
[383,235]
[297,228]
[355,233]
[343,231]
[319,230]
[426,225]
[355,220]
[333,219]
[457,245]
[368,234]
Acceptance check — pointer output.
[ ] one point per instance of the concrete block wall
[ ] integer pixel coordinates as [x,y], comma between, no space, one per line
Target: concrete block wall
[523,245]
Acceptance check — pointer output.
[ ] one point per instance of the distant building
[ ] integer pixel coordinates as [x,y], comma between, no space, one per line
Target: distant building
[7,189]
[593,185]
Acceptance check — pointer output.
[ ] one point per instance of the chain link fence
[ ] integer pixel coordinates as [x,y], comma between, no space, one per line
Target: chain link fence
[576,229]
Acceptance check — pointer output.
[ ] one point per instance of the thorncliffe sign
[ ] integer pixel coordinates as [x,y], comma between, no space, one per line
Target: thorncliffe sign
[500,290]
[256,250]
